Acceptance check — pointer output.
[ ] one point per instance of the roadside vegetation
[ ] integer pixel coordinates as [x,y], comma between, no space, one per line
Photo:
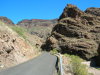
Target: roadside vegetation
[1,23]
[98,68]
[54,51]
[21,31]
[77,68]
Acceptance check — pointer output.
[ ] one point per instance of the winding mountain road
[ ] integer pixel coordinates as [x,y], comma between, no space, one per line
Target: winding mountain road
[41,65]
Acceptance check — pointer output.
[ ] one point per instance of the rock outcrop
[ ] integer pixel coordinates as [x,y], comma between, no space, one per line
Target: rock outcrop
[39,27]
[93,11]
[6,20]
[77,32]
[13,48]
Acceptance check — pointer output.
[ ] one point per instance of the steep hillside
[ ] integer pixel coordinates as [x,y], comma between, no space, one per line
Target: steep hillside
[39,27]
[76,33]
[6,20]
[14,48]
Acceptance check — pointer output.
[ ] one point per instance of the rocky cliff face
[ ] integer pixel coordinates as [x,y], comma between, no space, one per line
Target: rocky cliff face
[6,20]
[93,11]
[77,32]
[39,27]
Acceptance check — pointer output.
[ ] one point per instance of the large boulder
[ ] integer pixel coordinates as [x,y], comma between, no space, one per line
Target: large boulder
[76,33]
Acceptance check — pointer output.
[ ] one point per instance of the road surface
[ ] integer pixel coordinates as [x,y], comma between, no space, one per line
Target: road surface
[41,65]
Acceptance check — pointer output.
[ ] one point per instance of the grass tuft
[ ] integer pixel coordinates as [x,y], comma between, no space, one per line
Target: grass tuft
[21,31]
[76,67]
[54,51]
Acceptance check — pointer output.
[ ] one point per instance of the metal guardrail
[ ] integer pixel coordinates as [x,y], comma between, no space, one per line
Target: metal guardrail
[61,63]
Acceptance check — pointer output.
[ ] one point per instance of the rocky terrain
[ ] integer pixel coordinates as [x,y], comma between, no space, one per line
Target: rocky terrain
[39,27]
[77,33]
[14,49]
[6,20]
[93,11]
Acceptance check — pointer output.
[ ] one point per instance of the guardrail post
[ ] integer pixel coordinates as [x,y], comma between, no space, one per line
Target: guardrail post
[61,65]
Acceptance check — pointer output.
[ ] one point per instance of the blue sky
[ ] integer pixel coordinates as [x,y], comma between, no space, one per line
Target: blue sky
[17,10]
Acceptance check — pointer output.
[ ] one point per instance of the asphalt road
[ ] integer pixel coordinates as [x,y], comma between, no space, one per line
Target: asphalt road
[41,65]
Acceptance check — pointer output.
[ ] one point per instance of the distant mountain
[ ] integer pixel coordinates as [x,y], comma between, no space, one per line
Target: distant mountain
[39,27]
[6,20]
[36,22]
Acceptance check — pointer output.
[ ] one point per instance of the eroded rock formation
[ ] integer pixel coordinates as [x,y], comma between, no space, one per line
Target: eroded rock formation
[77,32]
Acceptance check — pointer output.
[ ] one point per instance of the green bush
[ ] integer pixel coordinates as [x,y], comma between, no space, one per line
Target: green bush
[54,51]
[76,67]
[21,31]
[98,68]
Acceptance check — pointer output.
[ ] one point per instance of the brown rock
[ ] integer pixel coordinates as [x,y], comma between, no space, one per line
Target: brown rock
[71,11]
[13,48]
[6,20]
[93,11]
[76,33]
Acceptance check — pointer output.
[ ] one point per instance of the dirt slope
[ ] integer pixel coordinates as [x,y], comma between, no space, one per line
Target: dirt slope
[13,48]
